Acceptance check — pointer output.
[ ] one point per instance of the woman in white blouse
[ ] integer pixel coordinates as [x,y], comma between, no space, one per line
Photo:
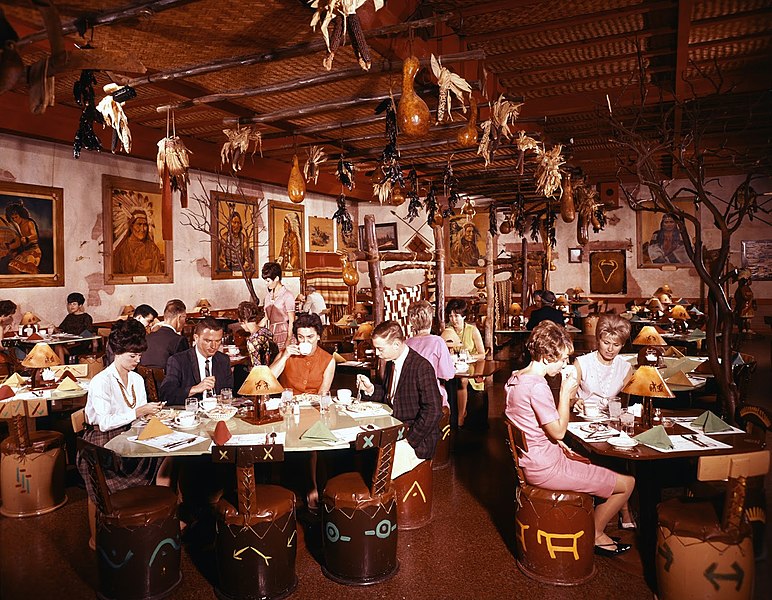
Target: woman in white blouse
[116,397]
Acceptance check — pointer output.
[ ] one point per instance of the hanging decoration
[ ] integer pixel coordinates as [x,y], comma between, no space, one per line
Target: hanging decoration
[589,211]
[11,64]
[433,214]
[296,186]
[173,161]
[413,114]
[388,171]
[468,135]
[342,14]
[342,216]
[113,115]
[450,183]
[519,216]
[397,196]
[414,201]
[468,209]
[548,176]
[449,83]
[235,149]
[496,129]
[567,209]
[83,90]
[506,225]
[492,224]
[524,143]
[316,157]
[345,173]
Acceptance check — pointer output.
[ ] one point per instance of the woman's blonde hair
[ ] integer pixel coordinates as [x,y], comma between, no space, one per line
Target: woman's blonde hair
[549,341]
[419,314]
[613,326]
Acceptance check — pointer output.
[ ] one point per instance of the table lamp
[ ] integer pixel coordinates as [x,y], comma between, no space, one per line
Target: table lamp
[126,312]
[652,351]
[204,307]
[680,318]
[515,312]
[261,383]
[578,293]
[647,383]
[40,357]
[28,324]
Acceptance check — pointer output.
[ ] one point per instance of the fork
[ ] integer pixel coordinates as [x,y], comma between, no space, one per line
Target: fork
[697,441]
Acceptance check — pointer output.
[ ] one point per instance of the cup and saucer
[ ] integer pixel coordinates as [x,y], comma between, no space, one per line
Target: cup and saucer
[185,420]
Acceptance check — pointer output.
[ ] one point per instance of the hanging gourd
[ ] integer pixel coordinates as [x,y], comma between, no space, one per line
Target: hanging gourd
[296,187]
[397,196]
[412,112]
[479,281]
[350,273]
[468,135]
[505,227]
[567,209]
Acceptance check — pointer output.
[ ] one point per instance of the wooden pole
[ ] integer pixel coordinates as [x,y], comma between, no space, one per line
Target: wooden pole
[374,269]
[489,291]
[524,261]
[439,253]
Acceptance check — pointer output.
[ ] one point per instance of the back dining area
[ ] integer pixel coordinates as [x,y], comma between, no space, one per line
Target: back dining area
[265,461]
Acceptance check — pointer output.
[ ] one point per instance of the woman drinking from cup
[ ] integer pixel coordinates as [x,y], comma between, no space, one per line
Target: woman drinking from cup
[549,463]
[603,373]
[303,366]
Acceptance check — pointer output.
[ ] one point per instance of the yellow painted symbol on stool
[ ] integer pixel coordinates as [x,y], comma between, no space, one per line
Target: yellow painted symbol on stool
[560,536]
[417,487]
[445,432]
[289,541]
[237,554]
[521,533]
[223,454]
[268,454]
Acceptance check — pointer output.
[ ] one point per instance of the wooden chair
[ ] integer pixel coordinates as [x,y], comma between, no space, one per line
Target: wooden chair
[705,552]
[137,534]
[555,529]
[360,519]
[153,377]
[256,542]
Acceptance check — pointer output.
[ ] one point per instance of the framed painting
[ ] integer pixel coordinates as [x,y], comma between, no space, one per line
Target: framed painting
[31,235]
[321,235]
[286,237]
[608,272]
[574,255]
[385,233]
[134,248]
[235,218]
[659,241]
[465,243]
[347,241]
[757,256]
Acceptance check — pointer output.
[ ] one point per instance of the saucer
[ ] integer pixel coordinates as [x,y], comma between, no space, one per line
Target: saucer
[186,427]
[341,402]
[598,417]
[622,442]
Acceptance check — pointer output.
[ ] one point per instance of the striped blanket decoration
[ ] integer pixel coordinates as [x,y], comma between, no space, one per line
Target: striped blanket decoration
[329,283]
[396,302]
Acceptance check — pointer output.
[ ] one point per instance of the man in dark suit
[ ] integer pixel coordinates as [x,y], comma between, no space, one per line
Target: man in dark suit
[201,370]
[547,312]
[166,340]
[410,387]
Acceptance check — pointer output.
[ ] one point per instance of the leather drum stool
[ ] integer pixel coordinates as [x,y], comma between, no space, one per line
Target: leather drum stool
[137,535]
[32,474]
[360,522]
[256,545]
[555,530]
[442,451]
[414,496]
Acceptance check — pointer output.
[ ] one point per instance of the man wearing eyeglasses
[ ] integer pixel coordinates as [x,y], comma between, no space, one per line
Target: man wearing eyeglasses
[200,371]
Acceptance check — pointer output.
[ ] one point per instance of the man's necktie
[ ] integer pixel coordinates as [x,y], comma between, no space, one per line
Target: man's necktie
[207,370]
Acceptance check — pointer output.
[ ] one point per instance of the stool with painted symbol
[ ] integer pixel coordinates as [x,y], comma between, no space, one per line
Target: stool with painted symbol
[256,542]
[555,530]
[414,496]
[360,520]
[137,534]
[441,457]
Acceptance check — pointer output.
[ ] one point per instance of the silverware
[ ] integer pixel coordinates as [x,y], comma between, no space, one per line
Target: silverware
[697,441]
[180,443]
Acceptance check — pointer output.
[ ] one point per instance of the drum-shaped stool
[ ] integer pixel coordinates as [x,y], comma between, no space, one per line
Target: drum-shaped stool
[256,544]
[555,529]
[32,474]
[137,535]
[414,496]
[360,522]
[442,450]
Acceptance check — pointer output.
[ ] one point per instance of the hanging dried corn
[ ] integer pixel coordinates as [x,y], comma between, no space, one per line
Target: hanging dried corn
[316,157]
[342,15]
[388,171]
[113,115]
[548,177]
[449,83]
[589,211]
[173,161]
[450,183]
[524,143]
[235,149]
[496,129]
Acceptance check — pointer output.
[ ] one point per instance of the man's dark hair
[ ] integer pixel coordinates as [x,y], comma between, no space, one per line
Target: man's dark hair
[207,323]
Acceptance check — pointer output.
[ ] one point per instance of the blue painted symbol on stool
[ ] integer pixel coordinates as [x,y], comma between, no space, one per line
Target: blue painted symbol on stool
[116,565]
[160,545]
[333,534]
[401,434]
[383,529]
[368,441]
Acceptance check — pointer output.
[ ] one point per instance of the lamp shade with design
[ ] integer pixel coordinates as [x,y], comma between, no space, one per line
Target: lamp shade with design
[451,338]
[364,332]
[260,383]
[647,383]
[29,318]
[40,357]
[648,336]
[126,312]
[515,309]
[664,289]
[653,347]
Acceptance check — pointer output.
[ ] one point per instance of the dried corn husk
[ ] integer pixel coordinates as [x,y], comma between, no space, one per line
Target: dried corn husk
[496,129]
[173,161]
[524,143]
[114,117]
[343,13]
[235,149]
[448,82]
[548,176]
[316,157]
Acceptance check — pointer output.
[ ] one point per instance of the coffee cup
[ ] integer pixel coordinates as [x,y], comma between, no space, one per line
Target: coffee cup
[185,418]
[344,396]
[591,409]
[305,348]
[208,403]
[232,350]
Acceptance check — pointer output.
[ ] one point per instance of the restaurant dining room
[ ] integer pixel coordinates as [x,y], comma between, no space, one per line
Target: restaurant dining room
[385,299]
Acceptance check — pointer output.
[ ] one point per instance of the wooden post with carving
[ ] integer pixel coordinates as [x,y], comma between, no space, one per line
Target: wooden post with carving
[489,291]
[439,274]
[374,269]
[524,261]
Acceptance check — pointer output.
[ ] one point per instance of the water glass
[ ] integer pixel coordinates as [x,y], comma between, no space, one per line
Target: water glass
[226,396]
[191,404]
[325,401]
[628,422]
[614,409]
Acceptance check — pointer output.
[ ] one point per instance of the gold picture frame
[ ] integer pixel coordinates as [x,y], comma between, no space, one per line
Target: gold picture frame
[235,224]
[31,235]
[658,239]
[286,237]
[134,248]
[321,234]
[465,243]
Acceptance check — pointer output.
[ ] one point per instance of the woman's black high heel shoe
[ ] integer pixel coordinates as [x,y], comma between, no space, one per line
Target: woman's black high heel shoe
[611,550]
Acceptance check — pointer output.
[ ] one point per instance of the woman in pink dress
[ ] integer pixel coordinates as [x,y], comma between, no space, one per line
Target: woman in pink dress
[432,347]
[549,463]
[279,305]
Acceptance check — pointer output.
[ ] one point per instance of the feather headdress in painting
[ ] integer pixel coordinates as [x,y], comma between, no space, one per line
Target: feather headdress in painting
[127,204]
[448,82]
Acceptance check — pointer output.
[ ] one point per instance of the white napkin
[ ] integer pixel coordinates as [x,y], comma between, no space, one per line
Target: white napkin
[635,409]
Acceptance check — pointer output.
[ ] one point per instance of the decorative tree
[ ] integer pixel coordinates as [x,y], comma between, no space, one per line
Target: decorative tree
[199,218]
[689,139]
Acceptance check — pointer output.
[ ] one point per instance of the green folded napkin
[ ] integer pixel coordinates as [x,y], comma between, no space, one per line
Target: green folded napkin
[711,422]
[318,432]
[696,334]
[656,437]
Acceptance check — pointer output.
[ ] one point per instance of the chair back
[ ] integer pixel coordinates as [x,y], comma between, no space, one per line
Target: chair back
[245,457]
[99,460]
[78,420]
[384,440]
[757,422]
[153,376]
[517,444]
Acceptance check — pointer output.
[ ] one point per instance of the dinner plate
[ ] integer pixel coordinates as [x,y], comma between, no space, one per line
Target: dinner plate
[307,399]
[622,442]
[221,413]
[368,407]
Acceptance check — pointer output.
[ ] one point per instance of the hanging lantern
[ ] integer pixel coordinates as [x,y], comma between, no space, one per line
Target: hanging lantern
[296,187]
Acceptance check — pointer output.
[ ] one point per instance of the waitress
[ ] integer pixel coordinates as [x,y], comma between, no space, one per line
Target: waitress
[279,305]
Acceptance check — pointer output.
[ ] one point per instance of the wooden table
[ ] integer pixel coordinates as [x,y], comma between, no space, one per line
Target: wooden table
[647,464]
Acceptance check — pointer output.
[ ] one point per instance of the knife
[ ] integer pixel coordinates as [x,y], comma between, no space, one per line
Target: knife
[180,443]
[697,441]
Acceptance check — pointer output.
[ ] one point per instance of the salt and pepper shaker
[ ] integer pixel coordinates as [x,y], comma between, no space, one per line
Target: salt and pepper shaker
[657,415]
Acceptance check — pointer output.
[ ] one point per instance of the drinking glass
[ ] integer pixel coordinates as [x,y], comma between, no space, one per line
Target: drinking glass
[191,404]
[628,422]
[614,409]
[325,401]
[227,396]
